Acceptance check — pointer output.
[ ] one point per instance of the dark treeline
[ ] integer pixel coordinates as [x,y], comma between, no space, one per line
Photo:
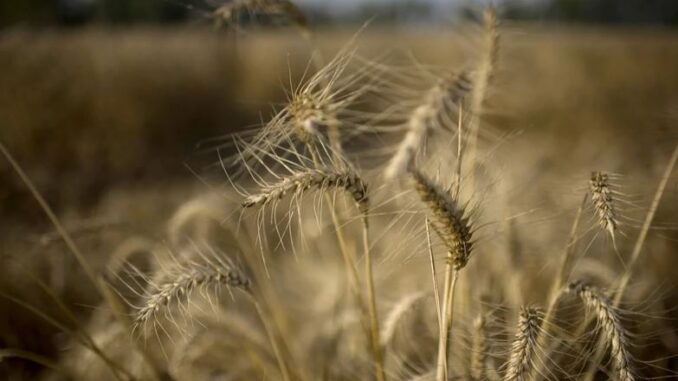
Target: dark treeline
[78,12]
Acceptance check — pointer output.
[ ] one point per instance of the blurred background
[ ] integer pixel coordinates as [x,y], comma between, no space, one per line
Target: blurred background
[108,105]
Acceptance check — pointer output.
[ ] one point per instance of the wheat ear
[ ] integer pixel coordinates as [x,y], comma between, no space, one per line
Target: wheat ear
[449,218]
[613,331]
[300,182]
[483,77]
[180,283]
[524,345]
[603,202]
[425,118]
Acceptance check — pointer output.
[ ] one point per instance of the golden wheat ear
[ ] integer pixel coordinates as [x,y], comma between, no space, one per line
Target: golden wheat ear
[176,284]
[433,114]
[450,218]
[603,199]
[524,347]
[613,331]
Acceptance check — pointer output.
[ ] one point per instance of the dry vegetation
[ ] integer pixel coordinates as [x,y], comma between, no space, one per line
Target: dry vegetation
[502,206]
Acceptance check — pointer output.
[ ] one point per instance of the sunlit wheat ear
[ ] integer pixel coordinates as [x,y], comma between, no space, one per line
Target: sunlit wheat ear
[524,345]
[300,182]
[450,219]
[612,328]
[604,202]
[318,113]
[433,114]
[229,12]
[176,285]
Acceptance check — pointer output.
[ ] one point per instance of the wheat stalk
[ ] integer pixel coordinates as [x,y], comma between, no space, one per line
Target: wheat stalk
[612,328]
[524,345]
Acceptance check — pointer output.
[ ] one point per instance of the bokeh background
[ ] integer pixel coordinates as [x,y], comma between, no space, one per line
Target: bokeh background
[109,104]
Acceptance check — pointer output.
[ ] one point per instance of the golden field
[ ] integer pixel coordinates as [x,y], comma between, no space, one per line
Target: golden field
[114,127]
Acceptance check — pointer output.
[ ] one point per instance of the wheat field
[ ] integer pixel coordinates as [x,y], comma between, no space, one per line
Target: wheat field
[491,201]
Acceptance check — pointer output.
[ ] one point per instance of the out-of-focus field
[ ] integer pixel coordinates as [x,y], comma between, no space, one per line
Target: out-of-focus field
[105,121]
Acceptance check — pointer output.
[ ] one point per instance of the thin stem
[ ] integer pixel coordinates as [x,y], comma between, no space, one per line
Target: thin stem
[372,307]
[444,337]
[459,150]
[436,293]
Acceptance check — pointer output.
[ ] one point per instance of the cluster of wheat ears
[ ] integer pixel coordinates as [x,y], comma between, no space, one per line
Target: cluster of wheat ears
[329,215]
